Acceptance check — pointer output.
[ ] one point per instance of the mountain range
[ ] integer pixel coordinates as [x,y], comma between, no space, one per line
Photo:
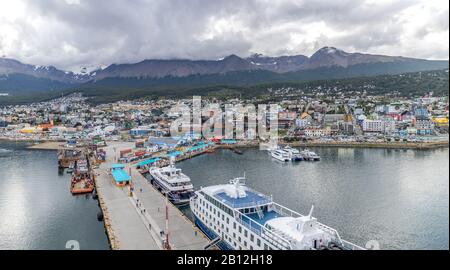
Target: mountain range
[326,63]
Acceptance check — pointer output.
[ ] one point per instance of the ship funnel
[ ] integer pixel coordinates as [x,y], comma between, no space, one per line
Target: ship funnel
[311,211]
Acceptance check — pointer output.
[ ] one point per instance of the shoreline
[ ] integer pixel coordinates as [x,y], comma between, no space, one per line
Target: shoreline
[378,145]
[55,145]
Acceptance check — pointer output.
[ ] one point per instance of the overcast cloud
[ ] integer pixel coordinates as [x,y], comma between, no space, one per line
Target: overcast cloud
[70,34]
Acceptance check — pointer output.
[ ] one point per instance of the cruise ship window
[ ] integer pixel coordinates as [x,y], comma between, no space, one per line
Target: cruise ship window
[245,243]
[251,247]
[258,242]
[245,233]
[234,235]
[252,237]
[266,247]
[239,239]
[240,229]
[234,225]
[228,221]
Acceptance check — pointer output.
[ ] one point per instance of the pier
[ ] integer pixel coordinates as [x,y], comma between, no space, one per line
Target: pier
[137,220]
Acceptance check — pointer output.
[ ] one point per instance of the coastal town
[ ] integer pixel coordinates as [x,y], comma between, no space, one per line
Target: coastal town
[323,119]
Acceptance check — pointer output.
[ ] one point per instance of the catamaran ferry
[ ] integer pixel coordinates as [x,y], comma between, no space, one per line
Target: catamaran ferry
[237,217]
[173,182]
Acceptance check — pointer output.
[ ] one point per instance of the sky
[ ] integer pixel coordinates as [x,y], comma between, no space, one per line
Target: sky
[71,34]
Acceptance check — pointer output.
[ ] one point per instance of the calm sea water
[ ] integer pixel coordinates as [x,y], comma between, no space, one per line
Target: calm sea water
[399,198]
[37,210]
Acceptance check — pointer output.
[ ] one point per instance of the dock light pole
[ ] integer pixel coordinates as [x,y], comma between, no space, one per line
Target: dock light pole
[167,224]
[131,184]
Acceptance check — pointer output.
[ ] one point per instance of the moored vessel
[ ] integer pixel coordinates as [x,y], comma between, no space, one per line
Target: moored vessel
[293,153]
[171,181]
[310,155]
[280,155]
[237,217]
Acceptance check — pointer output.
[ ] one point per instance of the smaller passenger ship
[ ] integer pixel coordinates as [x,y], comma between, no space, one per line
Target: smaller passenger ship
[294,154]
[280,155]
[171,181]
[310,155]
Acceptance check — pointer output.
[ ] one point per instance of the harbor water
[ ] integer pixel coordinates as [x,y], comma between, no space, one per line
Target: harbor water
[399,198]
[37,210]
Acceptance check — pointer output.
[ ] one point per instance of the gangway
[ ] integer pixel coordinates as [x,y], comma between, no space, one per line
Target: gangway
[213,242]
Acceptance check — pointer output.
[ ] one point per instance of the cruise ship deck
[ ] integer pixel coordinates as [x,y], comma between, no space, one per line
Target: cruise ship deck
[251,199]
[260,220]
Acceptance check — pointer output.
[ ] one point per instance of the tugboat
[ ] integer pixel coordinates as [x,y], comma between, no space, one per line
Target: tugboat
[82,183]
[82,180]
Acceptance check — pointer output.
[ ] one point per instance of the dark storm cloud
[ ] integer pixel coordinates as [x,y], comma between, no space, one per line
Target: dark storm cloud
[74,33]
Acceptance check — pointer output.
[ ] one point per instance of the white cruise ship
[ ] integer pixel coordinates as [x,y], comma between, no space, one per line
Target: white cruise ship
[237,217]
[173,182]
[280,155]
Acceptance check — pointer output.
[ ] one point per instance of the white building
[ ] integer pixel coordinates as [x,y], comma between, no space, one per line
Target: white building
[373,126]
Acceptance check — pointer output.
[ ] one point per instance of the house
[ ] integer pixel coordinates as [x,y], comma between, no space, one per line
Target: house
[373,125]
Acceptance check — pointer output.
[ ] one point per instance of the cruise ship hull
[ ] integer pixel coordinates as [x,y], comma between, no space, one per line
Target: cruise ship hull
[210,234]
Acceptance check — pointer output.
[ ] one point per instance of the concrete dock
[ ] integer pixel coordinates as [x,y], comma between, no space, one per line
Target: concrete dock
[138,221]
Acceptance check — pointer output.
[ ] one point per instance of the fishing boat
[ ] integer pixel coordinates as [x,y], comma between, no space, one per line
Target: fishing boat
[236,217]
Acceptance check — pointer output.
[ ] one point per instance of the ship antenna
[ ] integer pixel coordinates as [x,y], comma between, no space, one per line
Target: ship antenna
[311,211]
